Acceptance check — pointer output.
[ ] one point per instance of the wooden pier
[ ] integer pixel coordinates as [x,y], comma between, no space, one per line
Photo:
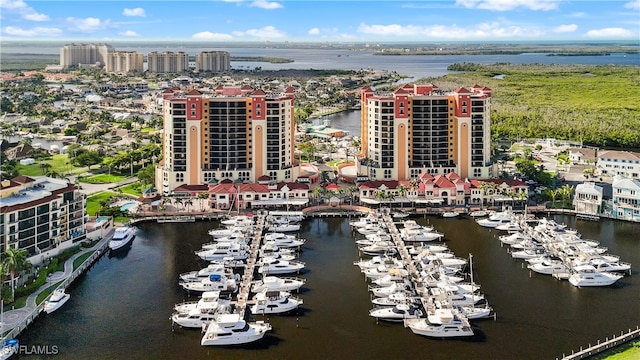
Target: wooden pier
[245,285]
[604,345]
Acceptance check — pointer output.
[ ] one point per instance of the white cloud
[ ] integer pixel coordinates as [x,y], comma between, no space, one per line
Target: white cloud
[33,32]
[635,5]
[88,25]
[206,35]
[267,32]
[134,12]
[25,11]
[494,30]
[129,33]
[264,4]
[565,28]
[314,31]
[506,5]
[610,33]
[579,15]
[324,32]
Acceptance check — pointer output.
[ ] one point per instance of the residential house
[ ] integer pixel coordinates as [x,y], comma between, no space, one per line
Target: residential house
[624,163]
[588,198]
[583,155]
[229,195]
[626,198]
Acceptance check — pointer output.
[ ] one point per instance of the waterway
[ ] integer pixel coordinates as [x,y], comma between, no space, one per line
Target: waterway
[120,309]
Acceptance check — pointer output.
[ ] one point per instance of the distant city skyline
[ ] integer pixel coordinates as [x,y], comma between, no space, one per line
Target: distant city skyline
[382,21]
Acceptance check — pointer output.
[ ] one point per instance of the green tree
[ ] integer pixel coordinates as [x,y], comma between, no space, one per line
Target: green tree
[14,262]
[146,175]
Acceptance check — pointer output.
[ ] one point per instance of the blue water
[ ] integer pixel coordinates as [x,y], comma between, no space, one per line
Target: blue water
[102,218]
[127,206]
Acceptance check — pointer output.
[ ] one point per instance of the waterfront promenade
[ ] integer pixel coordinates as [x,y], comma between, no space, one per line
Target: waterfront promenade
[16,320]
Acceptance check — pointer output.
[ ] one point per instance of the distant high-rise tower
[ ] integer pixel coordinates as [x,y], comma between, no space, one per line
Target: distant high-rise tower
[213,61]
[76,55]
[238,133]
[419,128]
[125,62]
[167,62]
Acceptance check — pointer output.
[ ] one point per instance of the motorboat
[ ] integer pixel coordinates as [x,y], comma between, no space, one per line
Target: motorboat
[230,231]
[274,302]
[398,312]
[510,226]
[455,298]
[384,291]
[202,312]
[238,238]
[212,283]
[379,248]
[215,268]
[238,220]
[122,237]
[274,283]
[284,227]
[478,213]
[371,229]
[601,264]
[548,267]
[9,348]
[376,261]
[364,221]
[450,214]
[380,271]
[400,297]
[420,235]
[56,300]
[496,219]
[394,275]
[231,329]
[457,327]
[528,253]
[513,238]
[473,312]
[271,266]
[224,251]
[270,249]
[413,225]
[399,214]
[417,249]
[286,241]
[381,235]
[587,275]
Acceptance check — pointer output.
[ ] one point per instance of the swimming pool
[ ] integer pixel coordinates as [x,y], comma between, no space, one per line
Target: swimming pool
[127,206]
[102,218]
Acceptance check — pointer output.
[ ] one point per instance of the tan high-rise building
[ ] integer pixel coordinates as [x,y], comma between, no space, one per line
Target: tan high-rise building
[213,61]
[237,133]
[123,62]
[76,55]
[419,128]
[168,62]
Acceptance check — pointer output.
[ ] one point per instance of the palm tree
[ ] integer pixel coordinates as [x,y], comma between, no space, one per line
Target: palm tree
[352,190]
[15,261]
[178,201]
[402,191]
[552,194]
[45,167]
[188,203]
[203,195]
[318,193]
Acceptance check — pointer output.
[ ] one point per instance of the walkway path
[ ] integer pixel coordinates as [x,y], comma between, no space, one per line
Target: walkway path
[13,318]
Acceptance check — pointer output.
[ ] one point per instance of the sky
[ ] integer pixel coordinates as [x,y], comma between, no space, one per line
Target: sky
[383,21]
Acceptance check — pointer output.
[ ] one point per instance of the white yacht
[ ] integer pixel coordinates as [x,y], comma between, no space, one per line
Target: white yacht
[380,271]
[214,268]
[122,237]
[457,327]
[376,261]
[230,231]
[510,227]
[478,213]
[370,229]
[587,275]
[56,300]
[496,219]
[283,240]
[212,283]
[230,329]
[275,266]
[284,227]
[364,221]
[450,214]
[548,267]
[238,220]
[380,248]
[397,313]
[274,302]
[274,283]
[400,297]
[202,312]
[383,291]
[420,235]
[224,251]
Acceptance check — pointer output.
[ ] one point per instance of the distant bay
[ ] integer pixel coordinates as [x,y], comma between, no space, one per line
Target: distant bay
[416,67]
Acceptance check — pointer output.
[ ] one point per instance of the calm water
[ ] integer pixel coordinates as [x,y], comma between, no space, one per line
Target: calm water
[120,309]
[415,67]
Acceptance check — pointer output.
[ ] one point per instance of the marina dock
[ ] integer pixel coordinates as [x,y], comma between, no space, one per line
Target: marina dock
[245,286]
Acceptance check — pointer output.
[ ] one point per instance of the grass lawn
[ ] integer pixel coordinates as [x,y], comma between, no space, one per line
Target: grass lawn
[102,179]
[134,189]
[624,352]
[93,202]
[58,164]
[80,259]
